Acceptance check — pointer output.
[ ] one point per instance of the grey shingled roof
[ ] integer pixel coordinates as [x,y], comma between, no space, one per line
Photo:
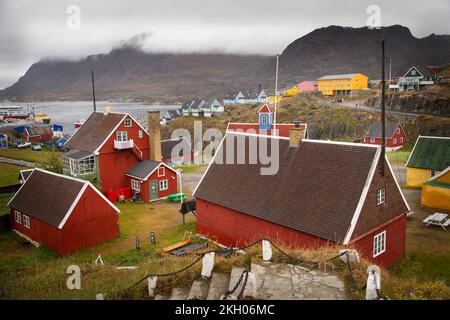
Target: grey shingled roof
[301,194]
[143,168]
[338,76]
[375,129]
[77,154]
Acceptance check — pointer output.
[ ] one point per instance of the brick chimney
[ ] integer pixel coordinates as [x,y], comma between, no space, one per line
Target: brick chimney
[296,134]
[154,133]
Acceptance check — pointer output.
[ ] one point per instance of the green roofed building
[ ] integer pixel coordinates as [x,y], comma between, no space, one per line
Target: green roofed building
[429,157]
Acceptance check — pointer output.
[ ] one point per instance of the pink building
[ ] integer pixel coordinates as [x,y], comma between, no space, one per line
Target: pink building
[307,86]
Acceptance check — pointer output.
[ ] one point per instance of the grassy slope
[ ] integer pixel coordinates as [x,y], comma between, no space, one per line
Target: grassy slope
[40,157]
[9,174]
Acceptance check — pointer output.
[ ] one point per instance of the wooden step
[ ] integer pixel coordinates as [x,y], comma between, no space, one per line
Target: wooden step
[218,286]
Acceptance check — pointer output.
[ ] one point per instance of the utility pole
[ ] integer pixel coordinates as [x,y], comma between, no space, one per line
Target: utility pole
[383,115]
[93,90]
[276,99]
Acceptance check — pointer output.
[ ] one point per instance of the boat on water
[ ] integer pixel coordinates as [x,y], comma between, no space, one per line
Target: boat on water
[42,117]
[13,112]
[79,123]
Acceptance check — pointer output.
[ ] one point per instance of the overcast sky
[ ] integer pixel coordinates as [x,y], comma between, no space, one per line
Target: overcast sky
[35,30]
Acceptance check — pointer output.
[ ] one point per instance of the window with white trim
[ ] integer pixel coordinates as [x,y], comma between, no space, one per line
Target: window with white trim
[372,140]
[140,134]
[381,196]
[127,123]
[135,185]
[394,140]
[397,130]
[26,221]
[122,136]
[432,173]
[379,244]
[401,139]
[161,171]
[18,216]
[163,185]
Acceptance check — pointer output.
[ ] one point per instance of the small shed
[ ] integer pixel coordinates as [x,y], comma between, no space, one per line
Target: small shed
[436,191]
[394,133]
[151,180]
[38,134]
[63,213]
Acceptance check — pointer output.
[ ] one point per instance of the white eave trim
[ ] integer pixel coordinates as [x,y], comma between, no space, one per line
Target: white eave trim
[97,151]
[72,206]
[363,197]
[443,172]
[148,176]
[396,183]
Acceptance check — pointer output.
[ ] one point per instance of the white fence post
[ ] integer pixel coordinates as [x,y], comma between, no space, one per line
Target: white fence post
[266,250]
[373,282]
[152,285]
[208,264]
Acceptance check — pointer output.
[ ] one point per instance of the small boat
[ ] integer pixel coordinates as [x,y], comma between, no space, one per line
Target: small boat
[79,123]
[36,147]
[24,145]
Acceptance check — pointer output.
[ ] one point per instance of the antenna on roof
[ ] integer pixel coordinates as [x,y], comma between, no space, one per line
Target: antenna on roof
[276,99]
[93,90]
[383,115]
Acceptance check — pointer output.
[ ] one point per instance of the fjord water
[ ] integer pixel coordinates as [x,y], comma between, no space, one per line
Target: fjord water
[67,112]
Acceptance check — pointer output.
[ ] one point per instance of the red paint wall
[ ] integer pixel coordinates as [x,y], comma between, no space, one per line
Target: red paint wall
[395,242]
[169,175]
[92,221]
[236,229]
[187,158]
[283,128]
[113,164]
[390,140]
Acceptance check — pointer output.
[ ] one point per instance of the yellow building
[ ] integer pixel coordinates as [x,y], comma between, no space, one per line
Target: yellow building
[272,99]
[436,191]
[342,83]
[429,157]
[291,92]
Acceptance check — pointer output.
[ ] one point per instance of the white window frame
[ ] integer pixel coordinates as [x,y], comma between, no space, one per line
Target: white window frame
[401,139]
[163,172]
[381,196]
[140,134]
[264,119]
[127,123]
[432,173]
[26,221]
[121,135]
[379,244]
[372,140]
[394,141]
[135,185]
[163,185]
[397,130]
[18,216]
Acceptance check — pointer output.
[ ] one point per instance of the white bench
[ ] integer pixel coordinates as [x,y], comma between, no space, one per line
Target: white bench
[437,219]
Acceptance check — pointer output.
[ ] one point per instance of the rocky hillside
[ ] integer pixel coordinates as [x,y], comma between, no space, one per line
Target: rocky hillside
[130,73]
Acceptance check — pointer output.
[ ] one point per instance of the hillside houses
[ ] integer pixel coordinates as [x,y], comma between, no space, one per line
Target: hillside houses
[202,107]
[319,196]
[247,96]
[415,78]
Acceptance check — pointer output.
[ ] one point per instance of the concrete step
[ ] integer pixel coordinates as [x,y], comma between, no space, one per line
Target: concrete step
[199,289]
[161,297]
[236,273]
[179,294]
[218,286]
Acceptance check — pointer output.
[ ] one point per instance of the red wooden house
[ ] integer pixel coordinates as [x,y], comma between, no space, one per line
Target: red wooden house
[37,134]
[323,193]
[63,213]
[151,180]
[266,125]
[395,135]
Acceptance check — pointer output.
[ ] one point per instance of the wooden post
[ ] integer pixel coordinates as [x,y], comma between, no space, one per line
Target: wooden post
[93,90]
[383,115]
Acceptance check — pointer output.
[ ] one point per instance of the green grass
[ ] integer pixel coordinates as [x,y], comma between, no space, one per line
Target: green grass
[42,157]
[190,168]
[400,156]
[9,174]
[4,199]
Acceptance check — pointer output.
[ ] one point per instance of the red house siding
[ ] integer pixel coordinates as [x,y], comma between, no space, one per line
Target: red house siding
[395,242]
[283,128]
[113,163]
[92,221]
[186,158]
[169,175]
[236,229]
[389,140]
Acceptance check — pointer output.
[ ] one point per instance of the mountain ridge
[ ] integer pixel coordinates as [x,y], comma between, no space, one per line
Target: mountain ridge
[128,72]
